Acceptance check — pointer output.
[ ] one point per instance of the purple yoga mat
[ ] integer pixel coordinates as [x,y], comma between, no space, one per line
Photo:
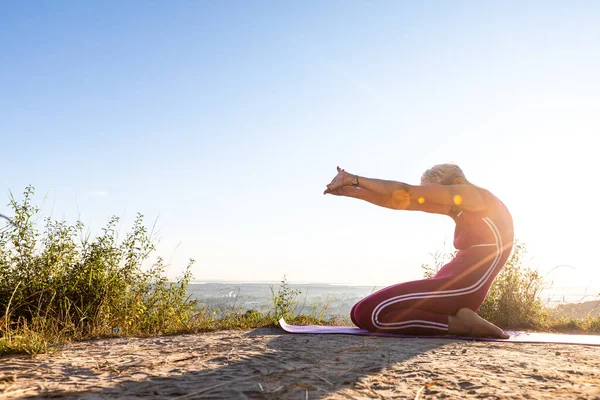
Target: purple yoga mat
[515,336]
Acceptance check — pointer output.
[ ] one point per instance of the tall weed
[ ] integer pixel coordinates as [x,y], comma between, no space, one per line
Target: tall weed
[61,282]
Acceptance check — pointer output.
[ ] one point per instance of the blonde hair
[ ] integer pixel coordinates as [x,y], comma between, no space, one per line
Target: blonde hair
[442,174]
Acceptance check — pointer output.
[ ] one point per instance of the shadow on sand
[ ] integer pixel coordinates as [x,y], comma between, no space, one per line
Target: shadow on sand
[290,366]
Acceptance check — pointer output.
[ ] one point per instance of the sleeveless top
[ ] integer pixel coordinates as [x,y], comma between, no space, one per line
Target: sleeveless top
[493,226]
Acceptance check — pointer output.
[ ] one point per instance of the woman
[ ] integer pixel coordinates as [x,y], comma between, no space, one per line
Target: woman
[445,303]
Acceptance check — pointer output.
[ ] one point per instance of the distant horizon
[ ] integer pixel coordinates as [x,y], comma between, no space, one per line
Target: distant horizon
[251,282]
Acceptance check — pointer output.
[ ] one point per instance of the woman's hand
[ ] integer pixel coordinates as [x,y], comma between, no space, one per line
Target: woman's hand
[340,180]
[335,192]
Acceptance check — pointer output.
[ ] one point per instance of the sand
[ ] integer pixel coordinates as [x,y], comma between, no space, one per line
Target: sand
[270,364]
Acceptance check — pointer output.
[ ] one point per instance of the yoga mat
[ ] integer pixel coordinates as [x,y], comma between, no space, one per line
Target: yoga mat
[515,336]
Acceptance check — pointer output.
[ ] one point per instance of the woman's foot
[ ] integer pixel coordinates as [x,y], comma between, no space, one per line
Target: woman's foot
[467,323]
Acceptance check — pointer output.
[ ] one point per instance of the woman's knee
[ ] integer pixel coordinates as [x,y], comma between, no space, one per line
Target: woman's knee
[361,315]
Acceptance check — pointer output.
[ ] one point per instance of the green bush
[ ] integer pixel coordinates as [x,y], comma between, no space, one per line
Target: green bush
[286,305]
[63,284]
[60,285]
[284,301]
[514,299]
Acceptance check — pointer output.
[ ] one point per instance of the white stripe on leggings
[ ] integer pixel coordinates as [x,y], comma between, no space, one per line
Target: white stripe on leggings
[444,293]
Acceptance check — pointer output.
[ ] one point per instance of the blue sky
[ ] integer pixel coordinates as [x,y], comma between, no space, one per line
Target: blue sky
[225,119]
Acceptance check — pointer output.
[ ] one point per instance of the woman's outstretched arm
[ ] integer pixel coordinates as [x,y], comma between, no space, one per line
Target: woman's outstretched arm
[386,201]
[402,196]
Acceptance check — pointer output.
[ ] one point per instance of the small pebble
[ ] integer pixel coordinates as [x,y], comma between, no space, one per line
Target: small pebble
[557,353]
[464,351]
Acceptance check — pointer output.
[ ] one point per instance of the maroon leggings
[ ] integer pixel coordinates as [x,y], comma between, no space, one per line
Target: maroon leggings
[422,307]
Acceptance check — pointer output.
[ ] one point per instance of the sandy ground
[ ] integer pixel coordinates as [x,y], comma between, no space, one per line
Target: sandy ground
[270,364]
